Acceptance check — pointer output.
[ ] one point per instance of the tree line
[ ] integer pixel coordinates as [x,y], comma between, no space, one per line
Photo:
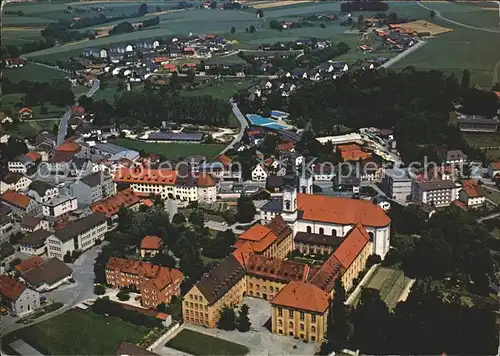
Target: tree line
[58,92]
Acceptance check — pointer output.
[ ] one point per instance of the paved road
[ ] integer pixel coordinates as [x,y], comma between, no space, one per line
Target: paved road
[63,124]
[69,295]
[491,216]
[243,126]
[403,54]
[439,15]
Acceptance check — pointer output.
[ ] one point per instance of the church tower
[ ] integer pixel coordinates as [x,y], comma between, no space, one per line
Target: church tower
[289,206]
[306,183]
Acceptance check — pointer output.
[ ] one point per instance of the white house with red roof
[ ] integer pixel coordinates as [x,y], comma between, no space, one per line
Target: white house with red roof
[17,297]
[471,194]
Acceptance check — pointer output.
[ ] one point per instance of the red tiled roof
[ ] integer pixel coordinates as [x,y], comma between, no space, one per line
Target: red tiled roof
[351,247]
[286,146]
[471,188]
[342,211]
[151,243]
[147,202]
[353,152]
[69,147]
[77,109]
[16,199]
[302,296]
[159,276]
[276,269]
[10,288]
[206,180]
[33,155]
[495,165]
[225,160]
[326,275]
[25,110]
[29,263]
[151,176]
[111,205]
[169,66]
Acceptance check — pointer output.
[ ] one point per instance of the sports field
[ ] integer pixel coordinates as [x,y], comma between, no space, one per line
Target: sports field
[390,284]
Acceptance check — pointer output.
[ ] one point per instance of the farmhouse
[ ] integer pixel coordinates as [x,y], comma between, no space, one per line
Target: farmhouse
[25,113]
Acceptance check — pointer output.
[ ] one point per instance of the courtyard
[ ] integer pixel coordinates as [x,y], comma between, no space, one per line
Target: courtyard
[259,340]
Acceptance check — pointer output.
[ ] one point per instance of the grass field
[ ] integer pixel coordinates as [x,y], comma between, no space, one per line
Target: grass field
[390,284]
[14,102]
[172,151]
[200,344]
[32,128]
[12,36]
[480,139]
[80,333]
[32,73]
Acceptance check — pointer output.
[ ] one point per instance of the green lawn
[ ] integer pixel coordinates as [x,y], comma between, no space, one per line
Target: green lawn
[492,194]
[32,128]
[172,150]
[32,73]
[482,139]
[201,344]
[81,333]
[14,102]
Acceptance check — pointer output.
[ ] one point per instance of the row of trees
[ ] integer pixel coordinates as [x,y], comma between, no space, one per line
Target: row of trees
[58,92]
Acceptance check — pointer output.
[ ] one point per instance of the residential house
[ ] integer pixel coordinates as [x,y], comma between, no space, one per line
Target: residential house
[455,157]
[477,123]
[4,136]
[7,254]
[92,188]
[48,275]
[15,182]
[42,191]
[20,204]
[494,169]
[471,193]
[437,193]
[78,235]
[18,298]
[25,114]
[14,62]
[157,284]
[21,164]
[31,223]
[111,205]
[6,220]
[150,246]
[59,207]
[259,173]
[28,264]
[323,172]
[35,242]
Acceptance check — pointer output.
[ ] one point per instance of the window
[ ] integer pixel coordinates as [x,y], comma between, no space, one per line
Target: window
[280,312]
[313,329]
[308,229]
[290,313]
[271,289]
[334,232]
[280,322]
[290,324]
[313,338]
[301,336]
[302,315]
[301,326]
[321,231]
[313,318]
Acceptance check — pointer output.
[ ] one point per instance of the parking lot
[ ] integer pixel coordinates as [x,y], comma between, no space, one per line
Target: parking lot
[259,339]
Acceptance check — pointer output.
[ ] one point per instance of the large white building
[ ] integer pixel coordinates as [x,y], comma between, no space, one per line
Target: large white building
[15,182]
[59,206]
[435,192]
[169,184]
[330,216]
[79,235]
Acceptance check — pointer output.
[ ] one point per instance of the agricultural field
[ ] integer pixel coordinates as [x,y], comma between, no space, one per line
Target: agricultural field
[33,73]
[482,139]
[17,36]
[80,333]
[14,102]
[390,283]
[32,128]
[172,151]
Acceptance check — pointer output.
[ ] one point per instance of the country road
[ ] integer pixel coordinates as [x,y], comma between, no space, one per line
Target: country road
[403,54]
[63,124]
[440,16]
[243,126]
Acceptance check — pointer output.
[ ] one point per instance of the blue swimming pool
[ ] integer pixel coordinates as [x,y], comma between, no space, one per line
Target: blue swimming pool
[258,120]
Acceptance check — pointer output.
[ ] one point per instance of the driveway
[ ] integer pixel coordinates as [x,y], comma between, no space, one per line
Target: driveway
[259,339]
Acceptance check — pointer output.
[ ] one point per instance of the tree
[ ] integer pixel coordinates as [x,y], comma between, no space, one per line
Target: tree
[252,29]
[99,289]
[243,320]
[245,209]
[274,24]
[179,218]
[91,36]
[197,218]
[43,110]
[339,328]
[342,48]
[465,79]
[125,219]
[123,296]
[322,25]
[259,13]
[221,245]
[227,320]
[213,5]
[433,14]
[175,308]
[361,19]
[143,9]
[233,30]
[158,9]
[162,308]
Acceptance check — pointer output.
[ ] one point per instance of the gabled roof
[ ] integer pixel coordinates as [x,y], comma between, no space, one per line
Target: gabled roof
[49,272]
[79,226]
[41,187]
[30,222]
[112,204]
[354,242]
[19,200]
[151,242]
[10,288]
[302,296]
[206,180]
[276,269]
[36,237]
[69,147]
[29,263]
[343,211]
[472,189]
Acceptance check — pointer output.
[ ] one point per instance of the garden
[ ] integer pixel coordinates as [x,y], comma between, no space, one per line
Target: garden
[196,343]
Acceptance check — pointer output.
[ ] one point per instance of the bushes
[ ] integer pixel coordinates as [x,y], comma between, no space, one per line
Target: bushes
[103,306]
[123,296]
[99,289]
